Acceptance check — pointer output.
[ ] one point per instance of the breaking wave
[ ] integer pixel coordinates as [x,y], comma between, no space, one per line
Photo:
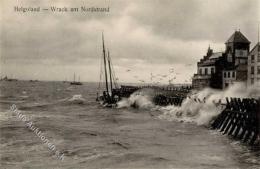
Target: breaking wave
[202,107]
[139,99]
[77,99]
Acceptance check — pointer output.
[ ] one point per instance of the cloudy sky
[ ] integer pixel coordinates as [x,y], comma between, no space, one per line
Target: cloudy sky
[144,36]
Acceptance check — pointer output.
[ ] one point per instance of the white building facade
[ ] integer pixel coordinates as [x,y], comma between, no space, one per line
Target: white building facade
[253,73]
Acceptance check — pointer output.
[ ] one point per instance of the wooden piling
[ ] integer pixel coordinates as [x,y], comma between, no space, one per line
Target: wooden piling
[240,119]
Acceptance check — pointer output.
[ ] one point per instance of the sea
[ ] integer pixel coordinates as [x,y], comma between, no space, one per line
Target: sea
[83,134]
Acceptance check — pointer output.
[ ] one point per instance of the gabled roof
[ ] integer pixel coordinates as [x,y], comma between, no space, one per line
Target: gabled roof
[237,37]
[256,46]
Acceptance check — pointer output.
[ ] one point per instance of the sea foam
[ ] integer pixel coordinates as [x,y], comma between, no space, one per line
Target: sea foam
[201,107]
[77,99]
[139,99]
[210,105]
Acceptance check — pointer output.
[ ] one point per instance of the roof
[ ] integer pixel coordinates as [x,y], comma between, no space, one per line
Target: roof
[216,55]
[257,45]
[237,37]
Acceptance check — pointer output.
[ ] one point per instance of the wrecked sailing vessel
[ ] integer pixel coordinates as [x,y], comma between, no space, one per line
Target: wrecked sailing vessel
[112,93]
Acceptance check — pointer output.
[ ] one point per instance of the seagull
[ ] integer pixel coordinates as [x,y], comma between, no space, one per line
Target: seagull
[188,64]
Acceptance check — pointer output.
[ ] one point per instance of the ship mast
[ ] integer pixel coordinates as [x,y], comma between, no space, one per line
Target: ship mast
[105,64]
[110,73]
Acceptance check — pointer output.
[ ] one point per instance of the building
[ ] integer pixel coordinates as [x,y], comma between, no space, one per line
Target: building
[237,49]
[209,71]
[253,74]
[220,69]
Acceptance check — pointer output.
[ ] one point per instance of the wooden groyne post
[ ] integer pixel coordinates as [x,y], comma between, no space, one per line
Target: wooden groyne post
[240,119]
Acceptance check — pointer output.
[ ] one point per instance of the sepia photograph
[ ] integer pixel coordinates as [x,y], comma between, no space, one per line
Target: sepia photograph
[130,84]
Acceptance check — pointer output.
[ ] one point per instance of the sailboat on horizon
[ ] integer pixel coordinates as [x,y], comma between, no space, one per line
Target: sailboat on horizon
[74,82]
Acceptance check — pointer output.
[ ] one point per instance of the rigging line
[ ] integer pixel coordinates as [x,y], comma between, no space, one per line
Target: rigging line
[105,62]
[110,72]
[114,79]
[114,75]
[258,33]
[101,74]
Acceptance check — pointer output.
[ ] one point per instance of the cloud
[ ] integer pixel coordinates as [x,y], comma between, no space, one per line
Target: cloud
[154,33]
[197,19]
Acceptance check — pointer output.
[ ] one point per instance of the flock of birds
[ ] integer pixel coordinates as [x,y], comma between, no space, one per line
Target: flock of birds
[159,78]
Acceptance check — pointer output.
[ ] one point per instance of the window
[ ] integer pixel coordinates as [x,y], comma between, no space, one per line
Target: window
[233,74]
[252,81]
[258,69]
[229,57]
[258,56]
[225,74]
[252,70]
[206,71]
[243,61]
[212,70]
[200,71]
[252,58]
[228,75]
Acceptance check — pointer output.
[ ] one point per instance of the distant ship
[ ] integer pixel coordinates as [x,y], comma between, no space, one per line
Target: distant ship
[65,81]
[33,80]
[8,79]
[75,82]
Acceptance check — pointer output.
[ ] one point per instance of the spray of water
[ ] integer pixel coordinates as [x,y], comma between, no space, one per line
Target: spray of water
[202,107]
[77,99]
[139,99]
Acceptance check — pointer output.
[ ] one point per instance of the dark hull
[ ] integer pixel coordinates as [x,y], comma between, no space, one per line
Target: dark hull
[75,83]
[117,95]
